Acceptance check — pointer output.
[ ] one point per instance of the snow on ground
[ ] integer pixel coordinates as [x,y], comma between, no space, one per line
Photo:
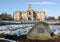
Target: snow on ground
[55,29]
[15,29]
[7,40]
[22,29]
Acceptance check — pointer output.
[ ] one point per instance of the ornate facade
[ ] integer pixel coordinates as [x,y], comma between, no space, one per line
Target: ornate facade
[29,15]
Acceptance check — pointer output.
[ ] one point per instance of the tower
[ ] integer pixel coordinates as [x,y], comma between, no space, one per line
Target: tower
[30,13]
[29,7]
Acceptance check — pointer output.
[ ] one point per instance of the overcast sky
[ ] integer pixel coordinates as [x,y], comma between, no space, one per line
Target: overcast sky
[51,7]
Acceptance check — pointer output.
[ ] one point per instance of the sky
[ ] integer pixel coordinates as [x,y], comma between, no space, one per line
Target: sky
[51,7]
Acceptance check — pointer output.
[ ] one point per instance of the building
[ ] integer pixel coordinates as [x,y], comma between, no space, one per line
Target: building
[29,15]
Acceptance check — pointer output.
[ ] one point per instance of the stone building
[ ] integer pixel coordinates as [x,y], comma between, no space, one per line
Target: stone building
[29,15]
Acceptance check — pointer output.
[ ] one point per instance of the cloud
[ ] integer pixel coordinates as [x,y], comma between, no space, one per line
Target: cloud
[43,3]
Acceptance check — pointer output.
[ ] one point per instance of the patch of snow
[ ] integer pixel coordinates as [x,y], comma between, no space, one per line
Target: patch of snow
[55,29]
[7,40]
[15,29]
